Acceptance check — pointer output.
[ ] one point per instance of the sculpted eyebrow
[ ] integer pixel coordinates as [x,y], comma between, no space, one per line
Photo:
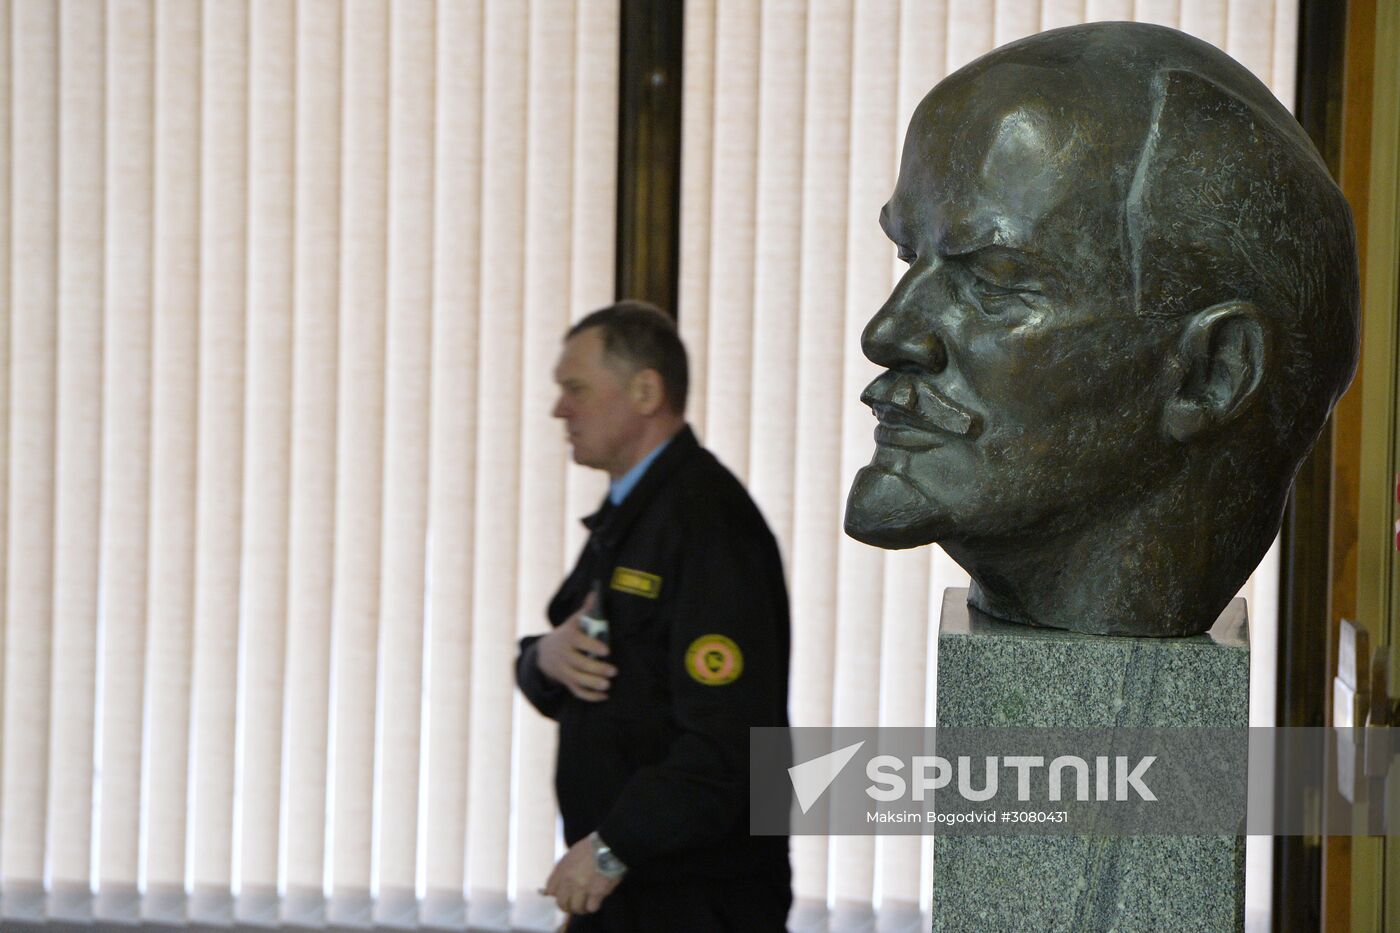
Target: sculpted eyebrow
[961,242]
[995,253]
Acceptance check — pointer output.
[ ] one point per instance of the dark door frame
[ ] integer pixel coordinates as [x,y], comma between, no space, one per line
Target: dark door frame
[649,151]
[1306,545]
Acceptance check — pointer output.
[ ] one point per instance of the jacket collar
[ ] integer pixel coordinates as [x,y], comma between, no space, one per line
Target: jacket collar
[618,518]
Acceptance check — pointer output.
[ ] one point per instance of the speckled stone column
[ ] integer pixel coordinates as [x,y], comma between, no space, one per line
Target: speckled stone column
[993,673]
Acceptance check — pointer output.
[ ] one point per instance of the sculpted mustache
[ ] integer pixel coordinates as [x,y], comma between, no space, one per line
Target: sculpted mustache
[903,401]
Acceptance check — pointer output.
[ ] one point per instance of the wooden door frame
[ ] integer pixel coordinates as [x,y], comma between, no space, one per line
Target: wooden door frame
[1305,552]
[1374,878]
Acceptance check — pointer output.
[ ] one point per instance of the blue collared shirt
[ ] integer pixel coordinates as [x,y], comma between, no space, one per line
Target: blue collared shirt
[625,483]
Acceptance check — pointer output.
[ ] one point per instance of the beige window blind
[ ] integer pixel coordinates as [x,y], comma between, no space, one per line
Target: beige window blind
[283,284]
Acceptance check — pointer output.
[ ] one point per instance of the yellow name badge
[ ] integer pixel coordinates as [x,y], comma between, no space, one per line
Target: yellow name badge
[636,582]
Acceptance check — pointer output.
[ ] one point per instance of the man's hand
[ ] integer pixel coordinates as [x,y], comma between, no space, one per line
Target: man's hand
[563,656]
[575,884]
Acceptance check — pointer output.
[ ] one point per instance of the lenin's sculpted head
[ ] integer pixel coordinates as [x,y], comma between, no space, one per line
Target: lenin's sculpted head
[1131,303]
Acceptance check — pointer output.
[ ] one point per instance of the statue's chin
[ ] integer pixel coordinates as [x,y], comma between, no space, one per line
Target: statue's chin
[887,510]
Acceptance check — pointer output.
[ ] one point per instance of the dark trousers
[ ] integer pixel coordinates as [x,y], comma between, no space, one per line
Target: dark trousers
[691,905]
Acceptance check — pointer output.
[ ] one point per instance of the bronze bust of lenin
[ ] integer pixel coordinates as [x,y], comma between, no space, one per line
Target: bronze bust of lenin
[1131,303]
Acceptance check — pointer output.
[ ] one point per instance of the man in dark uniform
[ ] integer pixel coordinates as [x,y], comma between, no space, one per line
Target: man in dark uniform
[652,769]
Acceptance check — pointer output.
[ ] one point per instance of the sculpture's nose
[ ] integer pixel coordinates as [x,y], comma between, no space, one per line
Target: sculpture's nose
[903,334]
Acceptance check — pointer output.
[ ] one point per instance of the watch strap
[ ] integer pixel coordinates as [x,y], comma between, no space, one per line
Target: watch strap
[608,864]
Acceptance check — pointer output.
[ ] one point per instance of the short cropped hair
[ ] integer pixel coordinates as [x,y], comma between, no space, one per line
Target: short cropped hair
[642,336]
[1234,203]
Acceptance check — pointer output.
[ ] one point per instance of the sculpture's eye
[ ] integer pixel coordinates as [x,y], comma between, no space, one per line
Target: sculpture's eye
[1002,279]
[988,290]
[995,299]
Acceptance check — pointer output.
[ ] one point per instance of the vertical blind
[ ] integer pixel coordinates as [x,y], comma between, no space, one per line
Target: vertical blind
[793,120]
[282,288]
[282,285]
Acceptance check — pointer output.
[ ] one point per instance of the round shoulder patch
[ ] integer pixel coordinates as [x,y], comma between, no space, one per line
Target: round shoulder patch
[714,660]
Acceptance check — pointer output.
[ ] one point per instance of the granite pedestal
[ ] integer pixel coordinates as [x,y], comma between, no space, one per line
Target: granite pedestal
[993,673]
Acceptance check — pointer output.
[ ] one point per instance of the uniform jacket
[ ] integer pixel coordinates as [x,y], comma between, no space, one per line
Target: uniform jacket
[693,591]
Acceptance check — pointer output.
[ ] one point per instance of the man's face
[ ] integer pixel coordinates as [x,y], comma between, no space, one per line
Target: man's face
[1021,392]
[599,414]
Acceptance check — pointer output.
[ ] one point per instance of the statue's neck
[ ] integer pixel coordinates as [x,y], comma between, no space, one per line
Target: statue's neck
[1160,569]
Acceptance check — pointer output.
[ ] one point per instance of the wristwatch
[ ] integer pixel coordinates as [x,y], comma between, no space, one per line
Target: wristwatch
[608,865]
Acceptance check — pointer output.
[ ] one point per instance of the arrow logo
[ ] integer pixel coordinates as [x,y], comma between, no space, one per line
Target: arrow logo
[811,778]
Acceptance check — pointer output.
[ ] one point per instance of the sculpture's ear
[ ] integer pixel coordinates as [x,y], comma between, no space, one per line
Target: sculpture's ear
[1224,351]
